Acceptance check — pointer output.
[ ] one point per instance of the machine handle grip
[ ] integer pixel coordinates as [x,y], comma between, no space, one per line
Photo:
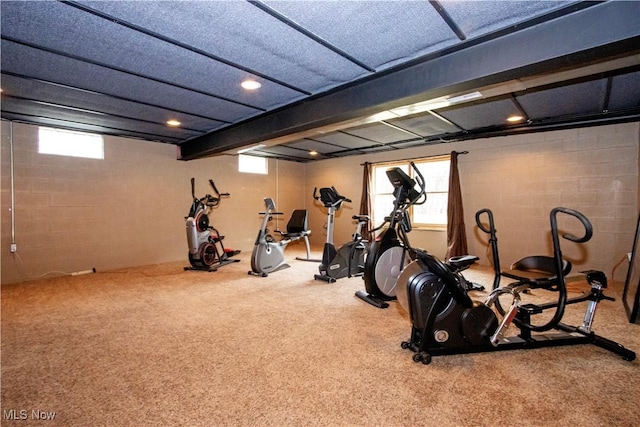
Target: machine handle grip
[479,223]
[214,187]
[422,184]
[588,228]
[193,188]
[315,193]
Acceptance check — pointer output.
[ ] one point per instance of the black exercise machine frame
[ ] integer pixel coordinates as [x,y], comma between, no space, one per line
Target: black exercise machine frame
[424,342]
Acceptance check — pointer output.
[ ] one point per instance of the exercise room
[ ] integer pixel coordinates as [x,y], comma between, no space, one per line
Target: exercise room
[320,213]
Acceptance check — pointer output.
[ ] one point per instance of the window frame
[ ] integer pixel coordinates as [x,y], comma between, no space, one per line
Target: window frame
[58,146]
[254,159]
[405,164]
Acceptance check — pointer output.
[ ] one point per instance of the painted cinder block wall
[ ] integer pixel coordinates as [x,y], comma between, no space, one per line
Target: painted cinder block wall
[521,178]
[74,214]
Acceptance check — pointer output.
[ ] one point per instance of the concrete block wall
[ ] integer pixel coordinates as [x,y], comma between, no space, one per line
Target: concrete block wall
[74,214]
[521,178]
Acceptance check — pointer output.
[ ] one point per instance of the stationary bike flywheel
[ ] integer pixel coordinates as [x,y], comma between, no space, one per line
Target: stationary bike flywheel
[388,268]
[408,274]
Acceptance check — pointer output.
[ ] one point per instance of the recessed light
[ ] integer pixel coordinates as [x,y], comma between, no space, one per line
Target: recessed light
[313,153]
[250,84]
[514,119]
[173,123]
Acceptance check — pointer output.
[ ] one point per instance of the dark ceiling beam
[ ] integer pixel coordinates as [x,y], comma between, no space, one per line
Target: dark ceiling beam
[603,31]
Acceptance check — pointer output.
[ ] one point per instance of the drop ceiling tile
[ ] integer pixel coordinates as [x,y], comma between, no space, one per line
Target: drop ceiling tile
[344,140]
[580,98]
[625,92]
[425,125]
[479,115]
[380,133]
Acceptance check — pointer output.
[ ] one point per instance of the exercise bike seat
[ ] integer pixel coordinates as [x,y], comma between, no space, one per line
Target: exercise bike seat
[297,226]
[462,262]
[537,271]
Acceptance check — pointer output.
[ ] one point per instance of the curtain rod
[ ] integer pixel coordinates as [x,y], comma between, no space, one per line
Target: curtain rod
[413,158]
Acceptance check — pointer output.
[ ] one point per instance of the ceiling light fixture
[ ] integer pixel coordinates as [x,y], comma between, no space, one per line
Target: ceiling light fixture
[434,104]
[250,84]
[313,153]
[255,147]
[514,119]
[173,123]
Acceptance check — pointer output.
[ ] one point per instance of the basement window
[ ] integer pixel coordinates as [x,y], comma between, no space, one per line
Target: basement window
[432,215]
[252,164]
[70,143]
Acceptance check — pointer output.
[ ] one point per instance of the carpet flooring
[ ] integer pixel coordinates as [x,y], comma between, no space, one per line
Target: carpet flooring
[160,346]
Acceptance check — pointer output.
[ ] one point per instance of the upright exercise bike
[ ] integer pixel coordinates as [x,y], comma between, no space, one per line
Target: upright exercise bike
[391,251]
[268,253]
[348,259]
[445,320]
[206,250]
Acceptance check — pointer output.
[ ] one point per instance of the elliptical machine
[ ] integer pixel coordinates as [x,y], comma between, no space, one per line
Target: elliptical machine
[391,251]
[204,241]
[348,259]
[445,320]
[268,253]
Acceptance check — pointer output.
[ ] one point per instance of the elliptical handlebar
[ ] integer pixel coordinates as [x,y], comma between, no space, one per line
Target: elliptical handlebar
[422,184]
[208,199]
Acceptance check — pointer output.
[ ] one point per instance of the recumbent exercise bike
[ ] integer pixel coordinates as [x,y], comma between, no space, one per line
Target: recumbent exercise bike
[268,253]
[445,320]
[206,250]
[347,260]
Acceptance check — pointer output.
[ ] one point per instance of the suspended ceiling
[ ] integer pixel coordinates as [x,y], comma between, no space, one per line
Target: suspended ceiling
[337,78]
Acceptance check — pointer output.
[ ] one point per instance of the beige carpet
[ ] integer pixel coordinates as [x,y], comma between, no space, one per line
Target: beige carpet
[160,346]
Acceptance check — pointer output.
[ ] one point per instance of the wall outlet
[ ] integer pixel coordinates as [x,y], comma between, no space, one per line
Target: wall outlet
[14,248]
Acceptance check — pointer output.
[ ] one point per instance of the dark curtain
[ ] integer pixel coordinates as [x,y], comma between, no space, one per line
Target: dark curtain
[456,235]
[365,201]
